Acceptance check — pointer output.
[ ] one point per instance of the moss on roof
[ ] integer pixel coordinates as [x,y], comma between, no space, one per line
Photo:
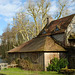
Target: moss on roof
[38,44]
[46,43]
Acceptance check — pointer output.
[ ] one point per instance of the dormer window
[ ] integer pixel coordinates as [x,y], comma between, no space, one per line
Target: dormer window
[57,28]
[44,32]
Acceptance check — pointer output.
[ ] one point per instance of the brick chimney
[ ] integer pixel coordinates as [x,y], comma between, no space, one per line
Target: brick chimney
[49,19]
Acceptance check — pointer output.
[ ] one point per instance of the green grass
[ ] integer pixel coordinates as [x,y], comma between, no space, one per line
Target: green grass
[18,71]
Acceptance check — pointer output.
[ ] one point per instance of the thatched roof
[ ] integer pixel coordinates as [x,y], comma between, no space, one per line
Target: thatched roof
[37,45]
[57,26]
[46,43]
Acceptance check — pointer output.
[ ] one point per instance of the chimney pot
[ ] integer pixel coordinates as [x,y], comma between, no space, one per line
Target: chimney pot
[49,19]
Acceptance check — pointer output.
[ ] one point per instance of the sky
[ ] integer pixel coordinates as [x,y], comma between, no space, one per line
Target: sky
[8,9]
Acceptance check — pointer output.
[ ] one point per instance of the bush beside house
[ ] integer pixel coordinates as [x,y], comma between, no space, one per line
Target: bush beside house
[57,64]
[26,64]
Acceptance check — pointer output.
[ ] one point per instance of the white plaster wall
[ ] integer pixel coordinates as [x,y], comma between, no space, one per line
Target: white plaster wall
[48,57]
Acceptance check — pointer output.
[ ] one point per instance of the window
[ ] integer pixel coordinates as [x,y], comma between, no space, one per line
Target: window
[57,28]
[44,32]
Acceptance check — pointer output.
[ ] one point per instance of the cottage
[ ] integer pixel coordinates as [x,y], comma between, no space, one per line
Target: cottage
[51,42]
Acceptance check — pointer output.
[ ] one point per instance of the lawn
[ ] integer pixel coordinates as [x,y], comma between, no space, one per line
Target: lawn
[18,71]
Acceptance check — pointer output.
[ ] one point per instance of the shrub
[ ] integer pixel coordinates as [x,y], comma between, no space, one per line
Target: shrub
[67,71]
[62,63]
[53,65]
[24,64]
[27,64]
[57,64]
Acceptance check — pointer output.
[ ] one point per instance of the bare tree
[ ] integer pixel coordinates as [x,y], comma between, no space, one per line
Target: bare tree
[39,12]
[63,6]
